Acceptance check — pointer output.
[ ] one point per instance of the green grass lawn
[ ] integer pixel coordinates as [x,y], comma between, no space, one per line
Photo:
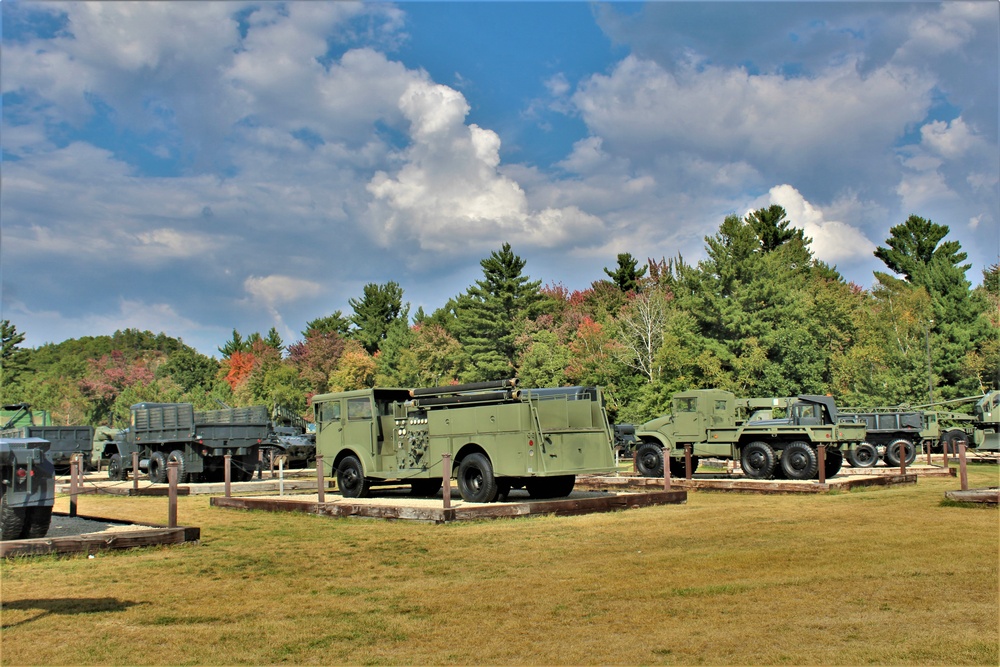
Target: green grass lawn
[886,576]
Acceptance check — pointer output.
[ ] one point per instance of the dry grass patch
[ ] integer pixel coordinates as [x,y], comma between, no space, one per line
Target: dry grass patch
[887,576]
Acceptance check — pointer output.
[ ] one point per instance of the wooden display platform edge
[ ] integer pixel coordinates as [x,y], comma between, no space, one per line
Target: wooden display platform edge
[155,536]
[742,485]
[508,510]
[989,496]
[200,489]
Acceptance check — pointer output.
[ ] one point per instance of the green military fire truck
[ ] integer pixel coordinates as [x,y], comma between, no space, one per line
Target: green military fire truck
[499,438]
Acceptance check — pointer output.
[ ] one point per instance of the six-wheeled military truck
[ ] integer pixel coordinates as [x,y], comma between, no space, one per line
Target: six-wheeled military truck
[715,423]
[500,438]
[197,440]
[887,433]
[28,480]
[65,441]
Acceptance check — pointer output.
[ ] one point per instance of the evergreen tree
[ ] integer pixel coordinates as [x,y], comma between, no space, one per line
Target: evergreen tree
[917,250]
[273,340]
[335,323]
[627,275]
[234,344]
[487,313]
[375,312]
[13,360]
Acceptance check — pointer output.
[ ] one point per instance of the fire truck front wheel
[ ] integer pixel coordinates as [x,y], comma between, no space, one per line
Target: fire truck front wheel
[476,481]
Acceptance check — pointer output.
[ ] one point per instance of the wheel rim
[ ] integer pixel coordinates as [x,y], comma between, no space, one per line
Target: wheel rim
[756,460]
[349,478]
[474,480]
[798,461]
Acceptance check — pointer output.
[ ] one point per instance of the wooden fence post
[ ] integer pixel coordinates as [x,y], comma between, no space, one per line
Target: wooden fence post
[320,480]
[666,469]
[172,496]
[227,473]
[72,485]
[135,472]
[446,479]
[821,455]
[687,462]
[963,472]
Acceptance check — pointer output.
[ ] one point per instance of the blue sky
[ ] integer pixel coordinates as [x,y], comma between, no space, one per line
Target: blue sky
[191,167]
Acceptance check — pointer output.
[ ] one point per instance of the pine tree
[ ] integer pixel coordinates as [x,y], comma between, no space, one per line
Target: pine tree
[12,359]
[917,250]
[487,312]
[627,275]
[375,312]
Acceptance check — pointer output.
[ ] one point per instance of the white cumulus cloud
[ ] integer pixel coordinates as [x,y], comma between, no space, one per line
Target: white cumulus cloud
[833,240]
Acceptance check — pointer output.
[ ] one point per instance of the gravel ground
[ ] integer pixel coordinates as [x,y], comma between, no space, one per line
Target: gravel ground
[64,526]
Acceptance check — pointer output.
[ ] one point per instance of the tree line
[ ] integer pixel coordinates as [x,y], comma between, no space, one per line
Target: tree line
[759,316]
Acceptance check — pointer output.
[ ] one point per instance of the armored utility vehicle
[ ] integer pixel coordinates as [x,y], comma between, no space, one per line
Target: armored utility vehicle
[500,438]
[197,440]
[28,480]
[717,424]
[64,441]
[290,438]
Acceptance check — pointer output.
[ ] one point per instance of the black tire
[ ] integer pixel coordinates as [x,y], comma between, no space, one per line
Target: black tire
[351,478]
[157,468]
[649,460]
[893,449]
[864,455]
[36,522]
[550,487]
[11,519]
[799,461]
[503,490]
[758,460]
[178,455]
[951,439]
[476,481]
[834,462]
[425,488]
[116,471]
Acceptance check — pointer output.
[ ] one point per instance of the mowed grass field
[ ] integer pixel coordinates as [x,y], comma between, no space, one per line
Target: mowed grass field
[885,576]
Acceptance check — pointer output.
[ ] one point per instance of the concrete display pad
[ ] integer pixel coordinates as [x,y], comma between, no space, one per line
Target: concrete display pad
[399,505]
[108,534]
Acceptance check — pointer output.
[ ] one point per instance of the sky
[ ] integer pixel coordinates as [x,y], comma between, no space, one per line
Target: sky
[195,167]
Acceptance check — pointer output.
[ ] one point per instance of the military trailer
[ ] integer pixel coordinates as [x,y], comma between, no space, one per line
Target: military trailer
[717,424]
[64,441]
[197,440]
[887,433]
[28,480]
[499,438]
